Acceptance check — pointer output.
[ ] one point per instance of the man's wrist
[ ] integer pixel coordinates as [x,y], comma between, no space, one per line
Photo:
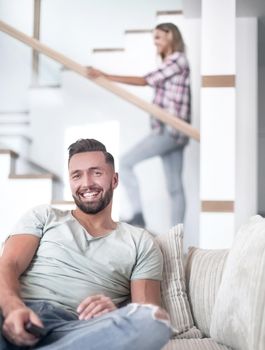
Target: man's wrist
[11,305]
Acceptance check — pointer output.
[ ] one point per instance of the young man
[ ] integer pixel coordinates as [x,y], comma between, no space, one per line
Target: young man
[69,272]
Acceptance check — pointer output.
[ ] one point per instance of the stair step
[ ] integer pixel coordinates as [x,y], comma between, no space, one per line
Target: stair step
[10,152]
[14,112]
[108,49]
[45,86]
[138,31]
[9,132]
[170,12]
[42,172]
[11,118]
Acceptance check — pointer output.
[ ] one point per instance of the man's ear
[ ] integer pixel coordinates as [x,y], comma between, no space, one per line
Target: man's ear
[115,180]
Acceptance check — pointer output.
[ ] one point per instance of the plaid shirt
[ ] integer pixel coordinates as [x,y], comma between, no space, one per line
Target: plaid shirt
[172,92]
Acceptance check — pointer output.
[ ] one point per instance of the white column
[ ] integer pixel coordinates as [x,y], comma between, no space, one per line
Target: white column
[218,121]
[247,117]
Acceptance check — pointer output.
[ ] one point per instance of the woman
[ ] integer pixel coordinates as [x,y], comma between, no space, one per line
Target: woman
[171,83]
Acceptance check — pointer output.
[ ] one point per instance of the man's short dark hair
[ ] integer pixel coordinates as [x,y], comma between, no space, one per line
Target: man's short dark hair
[90,145]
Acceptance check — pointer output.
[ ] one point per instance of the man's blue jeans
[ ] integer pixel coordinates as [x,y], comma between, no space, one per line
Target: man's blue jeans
[171,154]
[133,327]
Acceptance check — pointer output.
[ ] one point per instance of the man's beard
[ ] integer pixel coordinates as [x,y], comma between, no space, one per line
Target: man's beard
[96,206]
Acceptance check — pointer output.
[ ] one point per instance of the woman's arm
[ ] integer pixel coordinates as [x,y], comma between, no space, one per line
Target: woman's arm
[131,80]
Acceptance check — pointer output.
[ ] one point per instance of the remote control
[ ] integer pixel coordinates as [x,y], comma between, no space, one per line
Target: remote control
[39,332]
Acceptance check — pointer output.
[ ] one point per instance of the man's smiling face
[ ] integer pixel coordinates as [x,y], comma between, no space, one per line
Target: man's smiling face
[92,181]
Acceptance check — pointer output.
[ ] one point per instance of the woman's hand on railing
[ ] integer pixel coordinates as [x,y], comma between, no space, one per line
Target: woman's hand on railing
[93,73]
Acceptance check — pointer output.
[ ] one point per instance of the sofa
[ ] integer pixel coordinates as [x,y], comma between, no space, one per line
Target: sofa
[216,299]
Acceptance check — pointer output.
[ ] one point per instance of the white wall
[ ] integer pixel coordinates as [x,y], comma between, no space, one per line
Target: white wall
[15,68]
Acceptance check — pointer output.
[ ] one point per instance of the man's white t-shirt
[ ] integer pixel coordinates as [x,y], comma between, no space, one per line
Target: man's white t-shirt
[71,265]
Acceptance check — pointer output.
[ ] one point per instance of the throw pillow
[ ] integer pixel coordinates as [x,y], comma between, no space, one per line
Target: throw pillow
[203,271]
[173,287]
[239,312]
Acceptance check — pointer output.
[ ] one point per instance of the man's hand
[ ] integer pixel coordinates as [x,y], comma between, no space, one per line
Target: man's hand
[14,327]
[94,73]
[95,305]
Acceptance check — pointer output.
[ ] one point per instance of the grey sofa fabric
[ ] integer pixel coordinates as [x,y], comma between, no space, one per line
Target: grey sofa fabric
[238,318]
[194,344]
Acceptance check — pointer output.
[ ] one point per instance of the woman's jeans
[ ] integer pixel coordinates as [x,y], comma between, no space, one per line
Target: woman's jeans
[165,146]
[133,327]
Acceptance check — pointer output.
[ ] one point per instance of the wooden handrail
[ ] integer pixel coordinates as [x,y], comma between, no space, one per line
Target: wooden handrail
[152,109]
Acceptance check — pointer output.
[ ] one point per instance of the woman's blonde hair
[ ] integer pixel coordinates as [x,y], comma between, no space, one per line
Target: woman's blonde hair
[177,40]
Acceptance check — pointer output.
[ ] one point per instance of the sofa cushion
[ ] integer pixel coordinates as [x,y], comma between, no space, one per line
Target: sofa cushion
[239,312]
[173,287]
[194,344]
[204,268]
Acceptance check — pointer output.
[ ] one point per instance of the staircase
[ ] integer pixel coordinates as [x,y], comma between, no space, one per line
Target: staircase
[19,192]
[22,191]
